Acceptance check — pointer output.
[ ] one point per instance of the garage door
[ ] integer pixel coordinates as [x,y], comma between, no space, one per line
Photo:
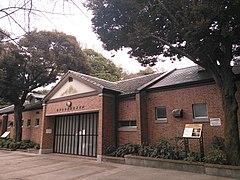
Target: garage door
[76,134]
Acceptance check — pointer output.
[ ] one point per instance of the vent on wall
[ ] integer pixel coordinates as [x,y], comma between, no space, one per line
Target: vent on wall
[177,113]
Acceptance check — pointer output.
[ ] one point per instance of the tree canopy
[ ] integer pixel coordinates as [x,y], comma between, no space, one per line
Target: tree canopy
[36,61]
[184,28]
[102,67]
[204,31]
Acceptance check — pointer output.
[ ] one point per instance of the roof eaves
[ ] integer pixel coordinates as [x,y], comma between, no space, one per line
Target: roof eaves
[90,81]
[8,109]
[33,106]
[181,85]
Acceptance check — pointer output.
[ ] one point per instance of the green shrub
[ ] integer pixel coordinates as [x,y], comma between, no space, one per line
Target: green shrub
[162,149]
[10,144]
[36,146]
[110,150]
[192,157]
[215,156]
[216,152]
[2,143]
[218,142]
[166,150]
[125,149]
[7,143]
[145,150]
[178,148]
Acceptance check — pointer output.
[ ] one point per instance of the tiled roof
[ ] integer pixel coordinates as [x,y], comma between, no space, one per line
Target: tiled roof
[27,107]
[124,87]
[131,85]
[183,76]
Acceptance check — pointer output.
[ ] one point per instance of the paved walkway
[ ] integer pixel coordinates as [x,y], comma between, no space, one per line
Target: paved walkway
[15,165]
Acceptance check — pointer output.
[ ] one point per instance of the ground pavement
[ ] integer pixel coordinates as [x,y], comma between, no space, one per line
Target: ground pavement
[15,165]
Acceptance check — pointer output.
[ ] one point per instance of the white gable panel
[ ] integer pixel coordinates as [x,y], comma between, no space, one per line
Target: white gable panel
[72,88]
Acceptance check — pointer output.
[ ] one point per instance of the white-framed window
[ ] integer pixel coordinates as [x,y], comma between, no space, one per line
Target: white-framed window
[22,123]
[200,112]
[37,121]
[127,125]
[29,123]
[161,114]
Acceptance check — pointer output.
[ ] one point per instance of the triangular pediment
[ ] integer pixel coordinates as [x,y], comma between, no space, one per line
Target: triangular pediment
[71,86]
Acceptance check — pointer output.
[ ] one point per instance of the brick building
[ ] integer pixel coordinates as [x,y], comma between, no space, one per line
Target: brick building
[83,115]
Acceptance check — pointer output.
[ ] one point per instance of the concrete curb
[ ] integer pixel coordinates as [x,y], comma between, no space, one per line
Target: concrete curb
[195,167]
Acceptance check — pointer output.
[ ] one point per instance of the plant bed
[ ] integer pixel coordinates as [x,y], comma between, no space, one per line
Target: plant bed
[6,149]
[172,156]
[222,170]
[24,145]
[112,159]
[196,167]
[179,165]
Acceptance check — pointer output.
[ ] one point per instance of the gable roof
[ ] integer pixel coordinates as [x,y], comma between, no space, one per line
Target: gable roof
[178,77]
[123,87]
[127,86]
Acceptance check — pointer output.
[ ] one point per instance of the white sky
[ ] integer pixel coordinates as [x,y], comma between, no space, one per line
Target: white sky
[77,22]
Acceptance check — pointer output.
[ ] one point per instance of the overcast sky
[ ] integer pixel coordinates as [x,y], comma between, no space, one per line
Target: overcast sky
[75,20]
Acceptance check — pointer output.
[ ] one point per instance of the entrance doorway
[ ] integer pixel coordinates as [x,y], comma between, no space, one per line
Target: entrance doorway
[76,134]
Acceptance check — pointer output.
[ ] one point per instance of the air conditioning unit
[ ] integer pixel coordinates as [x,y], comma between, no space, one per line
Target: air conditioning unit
[177,113]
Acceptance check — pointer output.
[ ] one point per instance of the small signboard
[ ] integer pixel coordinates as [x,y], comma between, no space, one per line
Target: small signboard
[5,135]
[48,131]
[215,122]
[192,131]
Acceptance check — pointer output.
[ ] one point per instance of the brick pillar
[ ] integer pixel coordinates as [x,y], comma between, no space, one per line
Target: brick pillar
[3,126]
[47,133]
[100,129]
[107,124]
[141,117]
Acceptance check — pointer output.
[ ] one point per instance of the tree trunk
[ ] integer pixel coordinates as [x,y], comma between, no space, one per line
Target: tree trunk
[18,108]
[231,128]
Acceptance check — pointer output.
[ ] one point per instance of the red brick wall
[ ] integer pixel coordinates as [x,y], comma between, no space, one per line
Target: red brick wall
[126,137]
[33,132]
[108,122]
[184,98]
[3,124]
[47,138]
[79,105]
[10,128]
[142,121]
[127,111]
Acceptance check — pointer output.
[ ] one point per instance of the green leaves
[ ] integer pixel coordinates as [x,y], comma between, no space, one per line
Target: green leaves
[200,25]
[101,67]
